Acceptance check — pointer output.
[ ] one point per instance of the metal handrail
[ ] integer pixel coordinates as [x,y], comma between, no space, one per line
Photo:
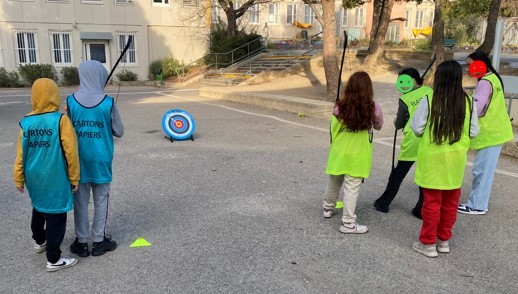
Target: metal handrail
[249,56]
[181,72]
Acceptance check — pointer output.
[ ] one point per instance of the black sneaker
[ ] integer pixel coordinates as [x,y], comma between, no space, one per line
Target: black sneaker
[417,213]
[380,207]
[100,248]
[81,249]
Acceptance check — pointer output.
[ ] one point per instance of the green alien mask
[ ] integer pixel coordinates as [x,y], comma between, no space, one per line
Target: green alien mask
[405,83]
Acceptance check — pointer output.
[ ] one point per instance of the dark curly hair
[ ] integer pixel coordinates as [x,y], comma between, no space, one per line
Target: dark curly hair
[356,106]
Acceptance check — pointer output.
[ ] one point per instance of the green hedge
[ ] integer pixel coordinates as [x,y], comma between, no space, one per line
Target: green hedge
[32,72]
[70,77]
[126,76]
[222,43]
[9,79]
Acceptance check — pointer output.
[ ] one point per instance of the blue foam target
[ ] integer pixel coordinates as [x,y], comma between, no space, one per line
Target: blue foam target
[178,124]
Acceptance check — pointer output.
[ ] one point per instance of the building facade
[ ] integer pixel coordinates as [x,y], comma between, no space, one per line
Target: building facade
[66,32]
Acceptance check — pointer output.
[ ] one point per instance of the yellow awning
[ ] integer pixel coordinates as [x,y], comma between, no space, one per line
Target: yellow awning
[302,25]
[426,31]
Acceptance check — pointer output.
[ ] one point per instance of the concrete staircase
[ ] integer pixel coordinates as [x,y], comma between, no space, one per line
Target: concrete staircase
[267,61]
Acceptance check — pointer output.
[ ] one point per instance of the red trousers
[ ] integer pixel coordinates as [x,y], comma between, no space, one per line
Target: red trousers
[439,214]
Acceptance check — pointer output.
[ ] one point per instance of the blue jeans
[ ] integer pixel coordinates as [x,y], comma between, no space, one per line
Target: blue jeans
[484,168]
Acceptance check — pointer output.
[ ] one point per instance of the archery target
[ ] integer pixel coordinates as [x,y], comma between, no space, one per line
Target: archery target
[178,124]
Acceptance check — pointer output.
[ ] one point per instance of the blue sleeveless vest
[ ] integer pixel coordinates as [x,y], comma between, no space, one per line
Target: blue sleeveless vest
[95,139]
[44,164]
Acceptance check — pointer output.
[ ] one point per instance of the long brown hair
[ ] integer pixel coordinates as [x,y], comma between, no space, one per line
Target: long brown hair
[356,108]
[448,104]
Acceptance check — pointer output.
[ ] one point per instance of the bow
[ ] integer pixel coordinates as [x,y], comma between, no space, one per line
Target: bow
[130,39]
[341,68]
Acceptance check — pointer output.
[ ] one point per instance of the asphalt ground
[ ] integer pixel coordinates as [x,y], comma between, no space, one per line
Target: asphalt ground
[238,210]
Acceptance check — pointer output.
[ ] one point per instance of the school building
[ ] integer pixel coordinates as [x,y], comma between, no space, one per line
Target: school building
[66,32]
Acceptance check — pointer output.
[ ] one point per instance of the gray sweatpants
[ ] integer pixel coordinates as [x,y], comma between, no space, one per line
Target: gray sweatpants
[101,193]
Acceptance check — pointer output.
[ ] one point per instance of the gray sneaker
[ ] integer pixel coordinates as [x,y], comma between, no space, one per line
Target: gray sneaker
[443,246]
[328,212]
[427,250]
[353,228]
[40,248]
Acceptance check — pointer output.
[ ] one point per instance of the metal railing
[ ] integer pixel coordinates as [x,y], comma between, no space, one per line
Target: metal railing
[186,71]
[302,44]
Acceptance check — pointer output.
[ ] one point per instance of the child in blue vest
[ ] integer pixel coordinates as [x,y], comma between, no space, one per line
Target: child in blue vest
[350,154]
[96,120]
[47,163]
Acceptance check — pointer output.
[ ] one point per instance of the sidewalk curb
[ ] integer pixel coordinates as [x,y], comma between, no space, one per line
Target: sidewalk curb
[303,106]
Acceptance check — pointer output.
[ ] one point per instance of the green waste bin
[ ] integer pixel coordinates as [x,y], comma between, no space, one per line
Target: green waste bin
[159,78]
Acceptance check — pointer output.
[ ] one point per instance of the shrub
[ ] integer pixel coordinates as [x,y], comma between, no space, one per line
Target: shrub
[423,44]
[126,76]
[222,43]
[169,66]
[153,69]
[70,77]
[32,72]
[9,79]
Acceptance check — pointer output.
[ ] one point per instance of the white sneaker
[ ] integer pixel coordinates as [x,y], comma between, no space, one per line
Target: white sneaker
[443,246]
[427,250]
[40,248]
[328,212]
[62,263]
[353,228]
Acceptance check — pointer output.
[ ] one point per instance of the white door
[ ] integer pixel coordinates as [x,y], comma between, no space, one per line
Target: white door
[98,51]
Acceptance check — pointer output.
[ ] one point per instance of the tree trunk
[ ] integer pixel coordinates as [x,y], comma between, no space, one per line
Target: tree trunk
[377,43]
[489,39]
[329,50]
[231,22]
[375,21]
[437,39]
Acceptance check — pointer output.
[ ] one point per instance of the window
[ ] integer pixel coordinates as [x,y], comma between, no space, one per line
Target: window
[344,17]
[291,13]
[407,16]
[130,57]
[161,2]
[430,18]
[26,46]
[191,3]
[124,2]
[1,55]
[392,34]
[215,14]
[61,47]
[235,5]
[253,14]
[419,14]
[58,1]
[92,1]
[273,13]
[308,15]
[359,17]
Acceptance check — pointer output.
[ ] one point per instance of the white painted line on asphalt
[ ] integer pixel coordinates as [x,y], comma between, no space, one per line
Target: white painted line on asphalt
[6,144]
[13,102]
[378,141]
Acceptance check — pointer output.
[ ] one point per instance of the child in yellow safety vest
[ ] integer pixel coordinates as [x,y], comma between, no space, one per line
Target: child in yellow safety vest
[350,155]
[446,122]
